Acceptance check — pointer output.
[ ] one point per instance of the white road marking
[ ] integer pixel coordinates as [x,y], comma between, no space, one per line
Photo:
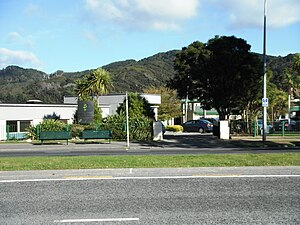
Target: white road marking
[148,178]
[96,220]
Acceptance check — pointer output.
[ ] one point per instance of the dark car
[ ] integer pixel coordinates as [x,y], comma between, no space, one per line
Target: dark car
[200,126]
[288,124]
[214,121]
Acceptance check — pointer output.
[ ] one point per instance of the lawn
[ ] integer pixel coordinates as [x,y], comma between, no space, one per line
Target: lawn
[167,161]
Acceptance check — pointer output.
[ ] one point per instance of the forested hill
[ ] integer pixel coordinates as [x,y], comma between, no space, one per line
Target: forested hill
[17,85]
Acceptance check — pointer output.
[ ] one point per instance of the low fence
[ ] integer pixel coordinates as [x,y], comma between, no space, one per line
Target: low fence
[9,132]
[255,128]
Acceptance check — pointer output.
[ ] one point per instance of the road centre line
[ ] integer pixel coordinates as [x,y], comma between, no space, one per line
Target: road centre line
[96,220]
[148,178]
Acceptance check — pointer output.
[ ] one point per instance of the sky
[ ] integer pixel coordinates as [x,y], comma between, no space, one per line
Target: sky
[75,35]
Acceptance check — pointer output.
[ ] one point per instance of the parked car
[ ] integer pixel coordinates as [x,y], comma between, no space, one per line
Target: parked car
[214,121]
[270,129]
[288,124]
[200,126]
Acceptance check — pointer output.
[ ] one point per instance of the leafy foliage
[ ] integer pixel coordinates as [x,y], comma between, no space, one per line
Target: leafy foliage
[138,106]
[140,128]
[170,104]
[222,72]
[97,82]
[293,77]
[45,125]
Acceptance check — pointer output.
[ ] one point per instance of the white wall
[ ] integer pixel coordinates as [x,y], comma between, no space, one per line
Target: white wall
[2,129]
[32,112]
[35,112]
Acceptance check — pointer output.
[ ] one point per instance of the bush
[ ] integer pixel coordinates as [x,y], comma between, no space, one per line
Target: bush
[45,125]
[52,125]
[139,128]
[174,128]
[76,130]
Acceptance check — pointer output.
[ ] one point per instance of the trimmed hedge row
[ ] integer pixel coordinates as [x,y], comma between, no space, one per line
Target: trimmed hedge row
[174,128]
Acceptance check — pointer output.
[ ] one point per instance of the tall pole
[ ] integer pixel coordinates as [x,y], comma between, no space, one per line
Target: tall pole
[264,138]
[186,100]
[127,121]
[186,108]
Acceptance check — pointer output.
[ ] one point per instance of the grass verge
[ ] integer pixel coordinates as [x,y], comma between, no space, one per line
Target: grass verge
[99,162]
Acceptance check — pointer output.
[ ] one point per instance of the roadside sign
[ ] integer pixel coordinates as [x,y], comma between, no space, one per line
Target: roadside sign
[265,102]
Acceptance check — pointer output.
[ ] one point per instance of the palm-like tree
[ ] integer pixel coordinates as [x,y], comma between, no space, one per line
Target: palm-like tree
[296,77]
[296,63]
[98,82]
[80,88]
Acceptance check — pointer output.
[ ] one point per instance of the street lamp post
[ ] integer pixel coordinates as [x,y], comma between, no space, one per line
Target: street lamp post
[265,100]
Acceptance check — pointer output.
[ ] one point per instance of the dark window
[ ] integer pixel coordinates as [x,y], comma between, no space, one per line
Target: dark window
[12,126]
[24,125]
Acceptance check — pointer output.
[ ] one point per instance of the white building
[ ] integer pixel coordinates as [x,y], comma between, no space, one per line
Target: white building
[20,116]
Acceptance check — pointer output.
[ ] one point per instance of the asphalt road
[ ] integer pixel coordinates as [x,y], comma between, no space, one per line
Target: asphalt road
[191,143]
[252,195]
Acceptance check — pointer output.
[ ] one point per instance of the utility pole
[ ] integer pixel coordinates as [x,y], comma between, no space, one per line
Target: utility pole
[127,121]
[265,100]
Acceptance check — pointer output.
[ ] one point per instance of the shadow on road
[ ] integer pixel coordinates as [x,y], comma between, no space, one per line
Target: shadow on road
[197,140]
[190,140]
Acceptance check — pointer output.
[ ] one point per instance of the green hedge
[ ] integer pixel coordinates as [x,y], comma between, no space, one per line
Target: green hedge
[139,128]
[174,128]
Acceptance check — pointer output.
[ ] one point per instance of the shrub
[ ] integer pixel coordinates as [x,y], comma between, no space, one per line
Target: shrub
[174,128]
[140,128]
[45,125]
[76,130]
[52,125]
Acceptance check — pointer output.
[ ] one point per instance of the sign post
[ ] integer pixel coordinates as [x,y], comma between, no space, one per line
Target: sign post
[127,121]
[265,100]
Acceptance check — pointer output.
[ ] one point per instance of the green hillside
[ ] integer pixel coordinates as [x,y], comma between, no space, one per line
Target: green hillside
[18,84]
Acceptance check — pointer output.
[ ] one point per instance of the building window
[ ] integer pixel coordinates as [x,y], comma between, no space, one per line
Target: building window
[12,126]
[24,125]
[18,126]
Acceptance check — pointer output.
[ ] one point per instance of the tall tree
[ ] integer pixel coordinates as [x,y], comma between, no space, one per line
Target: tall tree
[138,106]
[170,104]
[296,78]
[223,73]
